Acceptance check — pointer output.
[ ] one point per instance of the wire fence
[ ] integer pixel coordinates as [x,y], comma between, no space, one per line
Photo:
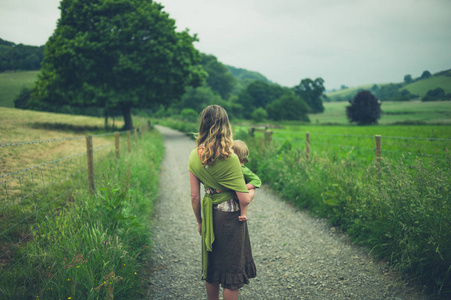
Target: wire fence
[366,148]
[38,193]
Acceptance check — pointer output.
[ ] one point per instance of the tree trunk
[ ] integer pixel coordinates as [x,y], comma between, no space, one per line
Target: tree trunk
[106,121]
[128,122]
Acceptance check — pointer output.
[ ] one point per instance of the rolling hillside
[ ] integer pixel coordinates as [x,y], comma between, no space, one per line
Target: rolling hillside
[419,87]
[11,83]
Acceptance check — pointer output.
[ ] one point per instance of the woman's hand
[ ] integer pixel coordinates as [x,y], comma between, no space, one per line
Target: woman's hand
[199,228]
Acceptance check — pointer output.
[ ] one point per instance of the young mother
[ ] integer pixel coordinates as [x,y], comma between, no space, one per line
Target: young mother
[226,250]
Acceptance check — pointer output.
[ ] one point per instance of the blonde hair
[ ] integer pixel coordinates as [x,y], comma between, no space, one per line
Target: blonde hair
[241,150]
[215,134]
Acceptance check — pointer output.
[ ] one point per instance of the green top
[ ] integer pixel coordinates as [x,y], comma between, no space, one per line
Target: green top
[224,175]
[251,177]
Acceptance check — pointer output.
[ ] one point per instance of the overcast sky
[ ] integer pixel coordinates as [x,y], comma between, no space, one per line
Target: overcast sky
[350,42]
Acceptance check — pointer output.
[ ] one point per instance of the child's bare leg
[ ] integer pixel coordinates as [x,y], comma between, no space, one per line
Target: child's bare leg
[243,212]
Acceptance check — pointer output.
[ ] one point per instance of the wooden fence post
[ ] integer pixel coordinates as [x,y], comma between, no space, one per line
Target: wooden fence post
[148,124]
[136,137]
[378,150]
[116,143]
[268,136]
[251,131]
[129,142]
[307,144]
[90,160]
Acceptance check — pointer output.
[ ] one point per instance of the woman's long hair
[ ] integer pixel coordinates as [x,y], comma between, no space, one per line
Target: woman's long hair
[215,133]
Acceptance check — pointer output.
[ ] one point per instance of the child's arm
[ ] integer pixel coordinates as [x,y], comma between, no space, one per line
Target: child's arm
[252,180]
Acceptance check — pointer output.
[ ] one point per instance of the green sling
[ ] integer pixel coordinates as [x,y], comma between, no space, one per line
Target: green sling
[224,175]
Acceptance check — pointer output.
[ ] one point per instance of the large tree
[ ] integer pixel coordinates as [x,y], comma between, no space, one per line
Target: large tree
[312,92]
[259,94]
[365,109]
[117,54]
[219,79]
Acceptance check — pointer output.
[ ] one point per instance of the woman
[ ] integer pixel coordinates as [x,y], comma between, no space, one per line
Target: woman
[226,250]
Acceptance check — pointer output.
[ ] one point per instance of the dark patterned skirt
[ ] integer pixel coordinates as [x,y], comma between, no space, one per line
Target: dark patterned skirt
[230,263]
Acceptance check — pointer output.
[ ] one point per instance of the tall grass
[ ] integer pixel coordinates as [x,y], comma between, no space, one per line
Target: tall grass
[93,247]
[401,212]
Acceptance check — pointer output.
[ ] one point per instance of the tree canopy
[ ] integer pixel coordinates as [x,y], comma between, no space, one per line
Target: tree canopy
[365,109]
[117,54]
[220,79]
[288,107]
[312,92]
[20,57]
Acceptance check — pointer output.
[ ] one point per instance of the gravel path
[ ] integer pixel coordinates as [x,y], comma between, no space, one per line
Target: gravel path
[297,256]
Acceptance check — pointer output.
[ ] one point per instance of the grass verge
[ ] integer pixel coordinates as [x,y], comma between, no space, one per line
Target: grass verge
[400,211]
[93,246]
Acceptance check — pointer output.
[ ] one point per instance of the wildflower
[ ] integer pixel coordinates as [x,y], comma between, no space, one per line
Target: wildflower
[78,267]
[135,273]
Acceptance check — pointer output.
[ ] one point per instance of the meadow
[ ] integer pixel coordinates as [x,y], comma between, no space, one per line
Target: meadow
[11,83]
[398,208]
[393,112]
[58,240]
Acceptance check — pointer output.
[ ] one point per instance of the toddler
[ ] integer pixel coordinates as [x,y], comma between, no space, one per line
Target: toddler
[252,180]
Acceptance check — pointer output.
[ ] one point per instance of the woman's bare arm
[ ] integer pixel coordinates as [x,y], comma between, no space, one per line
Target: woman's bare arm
[195,200]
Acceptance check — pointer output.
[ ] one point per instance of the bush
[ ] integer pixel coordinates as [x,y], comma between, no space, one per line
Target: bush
[259,115]
[189,114]
[365,109]
[435,95]
[402,213]
[288,107]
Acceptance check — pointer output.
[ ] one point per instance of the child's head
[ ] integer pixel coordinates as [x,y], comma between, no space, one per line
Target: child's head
[241,150]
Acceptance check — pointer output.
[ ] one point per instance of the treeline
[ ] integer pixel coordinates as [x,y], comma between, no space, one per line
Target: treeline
[20,57]
[247,95]
[126,56]
[399,91]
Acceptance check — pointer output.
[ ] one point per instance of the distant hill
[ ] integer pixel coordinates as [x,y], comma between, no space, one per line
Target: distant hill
[244,77]
[418,87]
[20,57]
[11,83]
[440,79]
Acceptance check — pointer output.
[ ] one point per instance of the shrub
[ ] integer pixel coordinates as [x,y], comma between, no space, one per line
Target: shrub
[259,115]
[189,114]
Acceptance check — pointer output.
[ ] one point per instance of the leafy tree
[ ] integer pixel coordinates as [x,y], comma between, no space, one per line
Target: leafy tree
[365,109]
[426,74]
[20,57]
[408,78]
[434,95]
[197,98]
[21,101]
[392,92]
[259,94]
[259,115]
[288,107]
[118,54]
[219,79]
[189,114]
[311,91]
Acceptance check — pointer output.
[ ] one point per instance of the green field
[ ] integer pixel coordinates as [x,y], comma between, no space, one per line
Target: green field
[438,112]
[421,87]
[11,83]
[348,93]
